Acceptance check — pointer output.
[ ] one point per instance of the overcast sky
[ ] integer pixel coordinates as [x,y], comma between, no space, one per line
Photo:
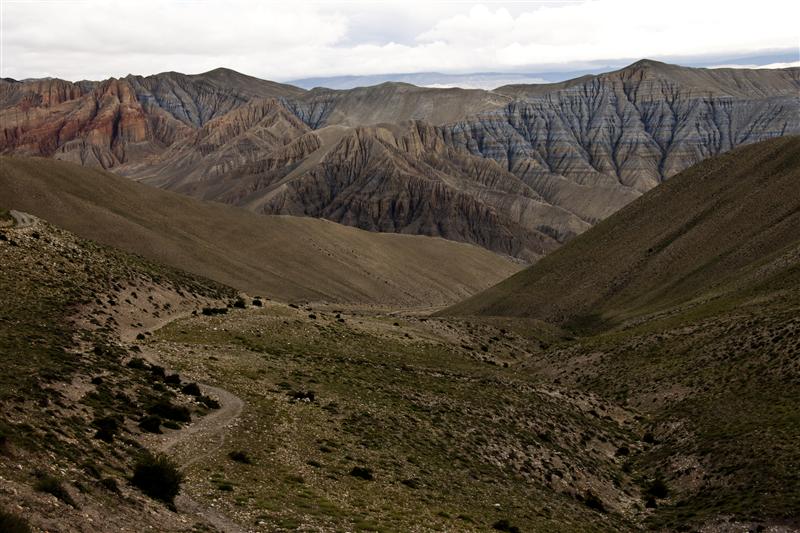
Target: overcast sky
[87,39]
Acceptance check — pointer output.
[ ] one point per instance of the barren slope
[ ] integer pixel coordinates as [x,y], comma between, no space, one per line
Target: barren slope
[685,305]
[721,226]
[283,257]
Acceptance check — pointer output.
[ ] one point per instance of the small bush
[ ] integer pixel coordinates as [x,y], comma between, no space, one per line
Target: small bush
[172,379]
[658,488]
[308,396]
[192,389]
[110,484]
[504,525]
[11,523]
[211,311]
[150,424]
[240,457]
[362,473]
[137,363]
[209,402]
[257,303]
[52,485]
[166,409]
[158,477]
[171,424]
[593,502]
[107,428]
[240,303]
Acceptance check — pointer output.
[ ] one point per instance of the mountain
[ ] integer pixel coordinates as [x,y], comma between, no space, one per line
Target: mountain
[288,258]
[518,170]
[684,307]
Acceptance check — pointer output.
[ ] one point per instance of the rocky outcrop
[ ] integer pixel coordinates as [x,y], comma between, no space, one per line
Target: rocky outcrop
[125,121]
[593,146]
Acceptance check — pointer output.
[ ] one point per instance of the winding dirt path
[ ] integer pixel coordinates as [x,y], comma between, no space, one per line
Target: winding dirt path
[197,441]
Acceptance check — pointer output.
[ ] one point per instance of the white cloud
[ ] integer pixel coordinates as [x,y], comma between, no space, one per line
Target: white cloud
[285,40]
[754,65]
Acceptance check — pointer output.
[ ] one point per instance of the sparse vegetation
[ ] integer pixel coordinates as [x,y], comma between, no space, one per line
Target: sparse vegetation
[158,477]
[11,523]
[52,485]
[504,525]
[240,457]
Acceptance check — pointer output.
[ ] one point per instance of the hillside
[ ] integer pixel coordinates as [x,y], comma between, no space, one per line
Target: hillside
[717,228]
[73,394]
[523,168]
[684,306]
[287,258]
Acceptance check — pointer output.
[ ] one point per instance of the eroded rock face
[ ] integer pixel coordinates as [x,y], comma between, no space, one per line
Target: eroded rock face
[518,170]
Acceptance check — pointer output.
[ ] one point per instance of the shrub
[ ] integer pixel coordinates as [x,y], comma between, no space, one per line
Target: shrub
[504,525]
[11,523]
[209,402]
[172,379]
[157,477]
[593,502]
[171,424]
[362,473]
[137,363]
[107,428]
[166,409]
[658,487]
[257,303]
[151,424]
[240,303]
[192,389]
[110,484]
[240,457]
[211,311]
[52,485]
[622,451]
[309,396]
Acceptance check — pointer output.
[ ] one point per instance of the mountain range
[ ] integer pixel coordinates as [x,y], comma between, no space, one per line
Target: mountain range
[518,170]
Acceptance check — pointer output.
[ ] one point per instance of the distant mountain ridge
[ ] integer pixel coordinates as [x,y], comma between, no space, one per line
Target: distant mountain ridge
[518,170]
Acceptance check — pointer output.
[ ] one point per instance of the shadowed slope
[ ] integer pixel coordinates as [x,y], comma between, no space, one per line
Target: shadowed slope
[284,257]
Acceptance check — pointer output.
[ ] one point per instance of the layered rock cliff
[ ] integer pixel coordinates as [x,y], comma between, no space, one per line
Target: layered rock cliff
[518,170]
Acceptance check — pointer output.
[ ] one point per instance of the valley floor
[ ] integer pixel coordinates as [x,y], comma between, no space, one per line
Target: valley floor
[377,422]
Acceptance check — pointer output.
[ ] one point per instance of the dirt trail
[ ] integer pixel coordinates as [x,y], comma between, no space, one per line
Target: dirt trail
[23,220]
[195,442]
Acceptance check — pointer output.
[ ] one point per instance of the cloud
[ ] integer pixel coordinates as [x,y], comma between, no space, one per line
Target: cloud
[285,40]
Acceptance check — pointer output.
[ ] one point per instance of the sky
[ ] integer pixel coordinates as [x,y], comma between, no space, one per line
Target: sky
[88,39]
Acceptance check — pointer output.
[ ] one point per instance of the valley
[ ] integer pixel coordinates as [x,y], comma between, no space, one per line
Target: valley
[597,390]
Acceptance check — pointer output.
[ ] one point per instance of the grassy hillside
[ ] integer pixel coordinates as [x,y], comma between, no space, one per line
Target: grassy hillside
[280,257]
[709,231]
[66,377]
[684,307]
